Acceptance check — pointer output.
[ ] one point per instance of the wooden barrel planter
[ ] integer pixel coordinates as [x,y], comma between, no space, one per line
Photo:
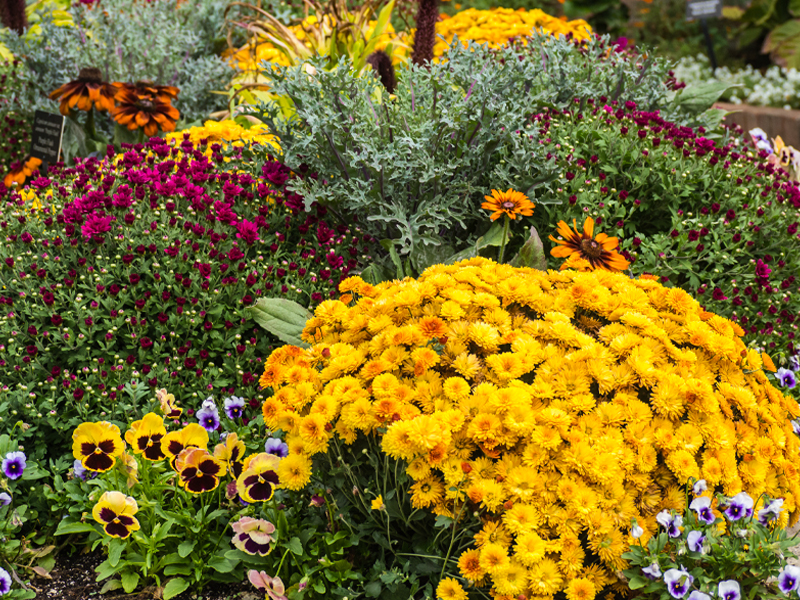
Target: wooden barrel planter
[774,121]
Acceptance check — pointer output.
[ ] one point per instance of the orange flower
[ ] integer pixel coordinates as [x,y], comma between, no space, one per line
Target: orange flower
[88,88]
[20,171]
[510,203]
[599,252]
[146,106]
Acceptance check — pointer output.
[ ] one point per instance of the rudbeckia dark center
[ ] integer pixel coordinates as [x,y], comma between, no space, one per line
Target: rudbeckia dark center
[591,248]
[90,75]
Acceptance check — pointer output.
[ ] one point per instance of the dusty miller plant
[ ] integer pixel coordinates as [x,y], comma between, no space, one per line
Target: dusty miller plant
[414,166]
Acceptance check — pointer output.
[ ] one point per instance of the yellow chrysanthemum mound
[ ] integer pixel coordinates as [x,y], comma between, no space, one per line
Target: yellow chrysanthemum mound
[559,405]
[497,26]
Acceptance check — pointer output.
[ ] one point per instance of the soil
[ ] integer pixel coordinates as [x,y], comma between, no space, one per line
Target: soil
[73,578]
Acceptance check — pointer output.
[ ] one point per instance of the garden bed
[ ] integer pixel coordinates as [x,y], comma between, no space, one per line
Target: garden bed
[330,355]
[73,578]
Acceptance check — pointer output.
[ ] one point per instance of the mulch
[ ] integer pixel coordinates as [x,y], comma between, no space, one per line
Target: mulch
[73,578]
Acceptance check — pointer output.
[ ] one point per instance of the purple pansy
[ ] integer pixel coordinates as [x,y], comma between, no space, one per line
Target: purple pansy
[277,447]
[208,415]
[678,582]
[789,578]
[729,590]
[14,464]
[786,378]
[636,531]
[702,506]
[670,522]
[234,407]
[770,512]
[5,499]
[739,507]
[653,571]
[699,487]
[5,582]
[695,541]
[698,595]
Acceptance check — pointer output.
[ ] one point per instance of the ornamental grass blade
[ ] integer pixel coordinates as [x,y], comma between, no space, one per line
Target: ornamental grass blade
[531,254]
[282,318]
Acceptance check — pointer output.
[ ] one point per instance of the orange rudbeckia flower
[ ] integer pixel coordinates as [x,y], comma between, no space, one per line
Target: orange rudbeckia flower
[89,88]
[510,203]
[21,170]
[146,106]
[599,251]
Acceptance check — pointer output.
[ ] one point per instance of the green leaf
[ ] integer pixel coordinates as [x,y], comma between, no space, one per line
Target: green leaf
[784,44]
[178,569]
[493,237]
[424,255]
[794,7]
[390,246]
[110,586]
[221,564]
[295,546]
[282,318]
[115,549]
[129,581]
[185,548]
[462,255]
[442,521]
[104,570]
[377,32]
[67,528]
[531,254]
[375,274]
[174,587]
[636,582]
[698,98]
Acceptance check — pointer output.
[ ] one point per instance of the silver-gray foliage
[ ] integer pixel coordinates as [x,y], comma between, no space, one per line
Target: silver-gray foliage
[127,41]
[414,167]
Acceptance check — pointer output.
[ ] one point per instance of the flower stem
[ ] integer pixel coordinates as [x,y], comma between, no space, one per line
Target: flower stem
[505,239]
[91,131]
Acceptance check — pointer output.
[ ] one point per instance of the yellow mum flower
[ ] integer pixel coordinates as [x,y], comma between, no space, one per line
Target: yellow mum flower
[581,589]
[450,589]
[426,492]
[469,565]
[494,559]
[294,471]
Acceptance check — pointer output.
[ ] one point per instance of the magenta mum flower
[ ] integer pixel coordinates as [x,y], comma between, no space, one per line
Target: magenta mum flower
[247,231]
[96,225]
